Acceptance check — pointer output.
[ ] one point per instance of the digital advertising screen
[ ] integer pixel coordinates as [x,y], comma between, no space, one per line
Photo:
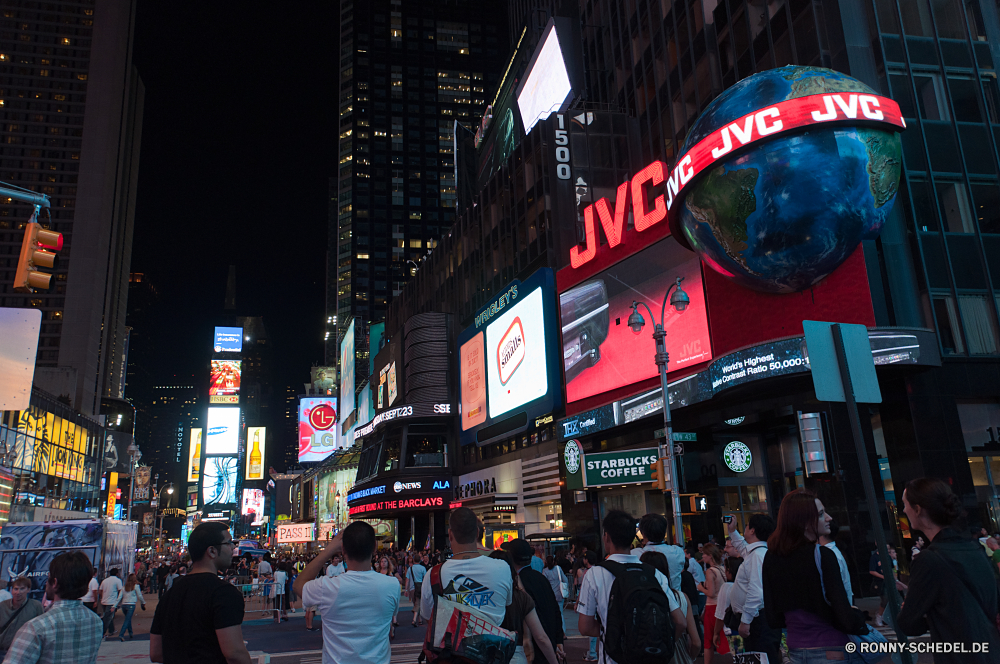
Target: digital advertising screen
[318,419]
[509,361]
[228,340]
[218,485]
[546,85]
[225,383]
[347,371]
[253,504]
[223,436]
[599,350]
[194,455]
[324,380]
[387,377]
[256,439]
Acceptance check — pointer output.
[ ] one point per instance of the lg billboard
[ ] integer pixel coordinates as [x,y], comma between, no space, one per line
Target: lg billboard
[318,419]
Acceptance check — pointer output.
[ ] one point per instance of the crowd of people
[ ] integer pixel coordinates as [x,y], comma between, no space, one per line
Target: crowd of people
[780,588]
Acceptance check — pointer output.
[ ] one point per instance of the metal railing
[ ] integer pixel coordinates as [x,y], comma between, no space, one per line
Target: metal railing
[258,597]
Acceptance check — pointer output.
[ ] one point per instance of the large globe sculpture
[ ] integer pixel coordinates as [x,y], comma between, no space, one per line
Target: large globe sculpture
[783,212]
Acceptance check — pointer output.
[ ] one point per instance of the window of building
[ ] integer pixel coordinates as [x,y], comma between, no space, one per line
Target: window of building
[965,99]
[955,209]
[986,198]
[980,324]
[947,322]
[930,95]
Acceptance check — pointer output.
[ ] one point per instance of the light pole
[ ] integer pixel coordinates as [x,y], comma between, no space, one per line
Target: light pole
[170,491]
[135,455]
[679,301]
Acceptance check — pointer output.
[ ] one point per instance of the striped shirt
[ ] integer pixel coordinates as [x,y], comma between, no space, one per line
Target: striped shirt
[69,633]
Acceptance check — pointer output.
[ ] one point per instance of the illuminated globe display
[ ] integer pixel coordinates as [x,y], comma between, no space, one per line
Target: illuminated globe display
[783,176]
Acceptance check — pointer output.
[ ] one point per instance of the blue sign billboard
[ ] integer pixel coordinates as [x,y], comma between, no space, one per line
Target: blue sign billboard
[228,340]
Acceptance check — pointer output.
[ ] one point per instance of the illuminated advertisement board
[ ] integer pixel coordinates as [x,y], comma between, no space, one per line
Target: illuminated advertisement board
[546,86]
[225,384]
[508,361]
[218,486]
[600,351]
[223,436]
[194,455]
[317,428]
[288,533]
[347,371]
[253,504]
[256,437]
[228,340]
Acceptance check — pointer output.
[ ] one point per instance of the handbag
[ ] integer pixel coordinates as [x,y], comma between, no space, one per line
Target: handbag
[563,583]
[870,656]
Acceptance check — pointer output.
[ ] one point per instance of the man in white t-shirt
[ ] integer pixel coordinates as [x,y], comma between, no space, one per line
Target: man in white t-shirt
[619,531]
[112,590]
[414,578]
[653,531]
[336,566]
[358,606]
[264,568]
[93,590]
[468,577]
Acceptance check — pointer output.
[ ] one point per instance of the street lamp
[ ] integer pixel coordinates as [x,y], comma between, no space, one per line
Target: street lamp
[679,300]
[170,491]
[134,455]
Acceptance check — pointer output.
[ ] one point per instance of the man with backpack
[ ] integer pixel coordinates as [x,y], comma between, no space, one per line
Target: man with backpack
[625,602]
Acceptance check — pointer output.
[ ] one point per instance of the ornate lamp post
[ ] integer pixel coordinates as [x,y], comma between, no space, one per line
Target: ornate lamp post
[679,300]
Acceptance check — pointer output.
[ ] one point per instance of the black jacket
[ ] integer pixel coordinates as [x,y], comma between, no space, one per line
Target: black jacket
[792,582]
[548,609]
[952,592]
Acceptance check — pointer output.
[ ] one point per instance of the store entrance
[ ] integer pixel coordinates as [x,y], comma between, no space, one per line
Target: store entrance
[744,501]
[985,467]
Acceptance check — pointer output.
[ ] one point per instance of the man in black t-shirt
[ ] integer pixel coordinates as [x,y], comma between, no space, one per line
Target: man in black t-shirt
[199,620]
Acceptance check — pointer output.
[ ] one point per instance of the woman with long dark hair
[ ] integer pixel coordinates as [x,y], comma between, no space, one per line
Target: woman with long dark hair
[803,591]
[522,618]
[952,590]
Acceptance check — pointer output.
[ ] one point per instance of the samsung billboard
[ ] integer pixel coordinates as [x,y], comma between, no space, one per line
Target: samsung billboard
[509,362]
[223,435]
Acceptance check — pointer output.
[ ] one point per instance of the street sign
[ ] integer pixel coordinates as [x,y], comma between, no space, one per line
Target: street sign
[825,367]
[678,449]
[681,436]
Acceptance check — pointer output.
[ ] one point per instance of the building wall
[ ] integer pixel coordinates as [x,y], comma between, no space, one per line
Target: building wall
[72,128]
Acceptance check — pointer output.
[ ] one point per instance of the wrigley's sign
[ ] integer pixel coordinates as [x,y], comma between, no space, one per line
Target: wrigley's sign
[620,467]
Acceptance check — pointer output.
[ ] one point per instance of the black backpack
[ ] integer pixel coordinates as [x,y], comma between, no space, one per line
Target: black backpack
[640,629]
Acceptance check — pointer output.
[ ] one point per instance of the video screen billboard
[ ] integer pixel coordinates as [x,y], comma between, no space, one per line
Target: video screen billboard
[256,447]
[347,371]
[387,377]
[546,85]
[225,384]
[253,504]
[317,428]
[228,340]
[600,352]
[194,455]
[223,435]
[324,380]
[218,486]
[509,361]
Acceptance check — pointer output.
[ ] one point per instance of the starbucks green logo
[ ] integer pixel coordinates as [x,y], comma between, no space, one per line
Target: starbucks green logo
[737,457]
[571,455]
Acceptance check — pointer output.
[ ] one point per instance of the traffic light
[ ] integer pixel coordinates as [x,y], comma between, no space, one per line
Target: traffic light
[659,474]
[699,503]
[33,256]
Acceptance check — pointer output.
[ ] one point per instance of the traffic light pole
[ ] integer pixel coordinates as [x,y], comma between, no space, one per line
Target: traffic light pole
[24,195]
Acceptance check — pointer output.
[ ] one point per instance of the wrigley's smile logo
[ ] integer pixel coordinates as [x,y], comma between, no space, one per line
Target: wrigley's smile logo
[510,352]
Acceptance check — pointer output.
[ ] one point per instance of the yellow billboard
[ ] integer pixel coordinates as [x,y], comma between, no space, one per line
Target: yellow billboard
[194,455]
[255,453]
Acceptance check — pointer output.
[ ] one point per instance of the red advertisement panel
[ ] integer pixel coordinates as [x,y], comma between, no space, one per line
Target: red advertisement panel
[600,351]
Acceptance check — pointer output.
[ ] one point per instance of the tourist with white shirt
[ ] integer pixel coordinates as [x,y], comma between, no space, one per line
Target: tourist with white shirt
[747,595]
[719,630]
[414,581]
[653,532]
[592,605]
[358,606]
[469,577]
[845,575]
[336,566]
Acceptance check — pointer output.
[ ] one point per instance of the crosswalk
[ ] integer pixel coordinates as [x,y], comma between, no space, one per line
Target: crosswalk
[402,653]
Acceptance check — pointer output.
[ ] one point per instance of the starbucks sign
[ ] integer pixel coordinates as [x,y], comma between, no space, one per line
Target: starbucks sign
[572,455]
[620,467]
[737,457]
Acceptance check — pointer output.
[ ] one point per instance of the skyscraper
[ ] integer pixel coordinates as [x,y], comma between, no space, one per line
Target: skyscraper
[71,112]
[410,73]
[142,332]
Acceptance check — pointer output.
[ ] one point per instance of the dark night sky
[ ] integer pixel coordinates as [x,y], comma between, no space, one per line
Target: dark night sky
[238,140]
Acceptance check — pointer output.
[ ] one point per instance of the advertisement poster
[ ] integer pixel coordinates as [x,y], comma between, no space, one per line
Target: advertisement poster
[218,486]
[516,357]
[228,340]
[253,504]
[225,383]
[288,533]
[317,428]
[141,488]
[323,379]
[600,351]
[26,549]
[223,431]
[256,446]
[347,371]
[194,455]
[116,456]
[473,368]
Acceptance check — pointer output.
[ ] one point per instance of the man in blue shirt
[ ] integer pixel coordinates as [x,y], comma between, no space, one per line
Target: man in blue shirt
[538,560]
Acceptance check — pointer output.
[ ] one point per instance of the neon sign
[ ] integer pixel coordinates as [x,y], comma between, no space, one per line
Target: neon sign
[785,116]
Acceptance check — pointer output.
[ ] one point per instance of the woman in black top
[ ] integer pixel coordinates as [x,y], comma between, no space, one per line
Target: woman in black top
[813,608]
[952,590]
[522,618]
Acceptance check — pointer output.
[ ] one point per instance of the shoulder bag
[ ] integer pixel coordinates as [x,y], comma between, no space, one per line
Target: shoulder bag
[3,629]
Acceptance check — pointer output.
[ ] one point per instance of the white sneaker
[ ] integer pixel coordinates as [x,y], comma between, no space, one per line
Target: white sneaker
[878,621]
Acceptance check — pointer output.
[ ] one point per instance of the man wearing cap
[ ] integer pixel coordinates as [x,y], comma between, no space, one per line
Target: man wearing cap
[536,585]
